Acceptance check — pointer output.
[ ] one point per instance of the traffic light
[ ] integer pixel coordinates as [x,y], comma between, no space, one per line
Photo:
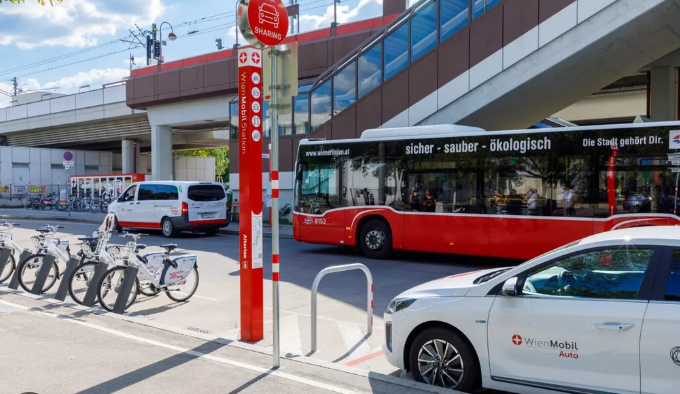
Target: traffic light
[156,49]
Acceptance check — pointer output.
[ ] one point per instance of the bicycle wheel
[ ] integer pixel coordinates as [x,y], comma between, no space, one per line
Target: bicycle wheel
[80,280]
[9,269]
[184,289]
[109,286]
[104,207]
[28,271]
[95,207]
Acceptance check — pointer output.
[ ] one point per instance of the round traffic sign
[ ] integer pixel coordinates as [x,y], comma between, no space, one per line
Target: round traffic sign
[68,155]
[268,21]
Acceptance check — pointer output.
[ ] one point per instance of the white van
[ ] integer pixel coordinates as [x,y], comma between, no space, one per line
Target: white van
[172,207]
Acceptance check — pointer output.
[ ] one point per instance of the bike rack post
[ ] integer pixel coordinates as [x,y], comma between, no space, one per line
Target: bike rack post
[125,289]
[14,283]
[4,257]
[91,294]
[369,294]
[71,266]
[42,274]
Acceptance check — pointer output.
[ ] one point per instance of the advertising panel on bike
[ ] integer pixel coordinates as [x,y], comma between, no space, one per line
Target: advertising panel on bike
[177,274]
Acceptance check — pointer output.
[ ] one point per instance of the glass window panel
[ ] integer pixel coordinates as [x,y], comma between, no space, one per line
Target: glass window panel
[477,8]
[301,108]
[673,281]
[453,17]
[370,70]
[321,104]
[286,120]
[344,92]
[608,273]
[423,31]
[396,51]
[266,122]
[319,187]
[146,193]
[233,120]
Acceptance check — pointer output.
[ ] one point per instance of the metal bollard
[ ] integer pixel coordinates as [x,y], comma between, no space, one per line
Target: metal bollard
[124,290]
[14,283]
[369,295]
[43,273]
[91,294]
[71,265]
[4,257]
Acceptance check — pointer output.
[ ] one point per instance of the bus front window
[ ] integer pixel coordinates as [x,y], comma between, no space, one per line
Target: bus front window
[316,187]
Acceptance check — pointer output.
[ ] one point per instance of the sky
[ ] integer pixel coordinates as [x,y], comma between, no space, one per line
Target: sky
[81,42]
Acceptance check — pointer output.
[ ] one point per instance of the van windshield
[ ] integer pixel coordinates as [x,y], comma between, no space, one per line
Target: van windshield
[206,193]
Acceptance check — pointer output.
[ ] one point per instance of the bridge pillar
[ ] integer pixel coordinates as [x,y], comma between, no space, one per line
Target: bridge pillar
[161,153]
[130,156]
[664,93]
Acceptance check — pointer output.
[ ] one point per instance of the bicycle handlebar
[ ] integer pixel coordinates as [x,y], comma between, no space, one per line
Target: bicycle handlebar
[133,236]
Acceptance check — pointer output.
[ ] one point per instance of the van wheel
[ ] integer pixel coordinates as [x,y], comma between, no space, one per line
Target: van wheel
[116,226]
[168,228]
[375,239]
[441,358]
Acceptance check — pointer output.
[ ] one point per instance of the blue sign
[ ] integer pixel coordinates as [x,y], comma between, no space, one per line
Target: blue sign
[68,155]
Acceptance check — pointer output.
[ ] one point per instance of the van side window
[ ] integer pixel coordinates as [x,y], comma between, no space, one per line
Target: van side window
[146,193]
[166,192]
[129,194]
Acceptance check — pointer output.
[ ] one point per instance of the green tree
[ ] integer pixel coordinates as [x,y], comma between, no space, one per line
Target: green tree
[41,2]
[221,156]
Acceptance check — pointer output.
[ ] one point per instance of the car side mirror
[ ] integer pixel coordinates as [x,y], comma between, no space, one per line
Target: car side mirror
[510,288]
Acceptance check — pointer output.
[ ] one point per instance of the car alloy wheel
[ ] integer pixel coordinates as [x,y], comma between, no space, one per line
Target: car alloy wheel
[375,239]
[440,364]
[167,228]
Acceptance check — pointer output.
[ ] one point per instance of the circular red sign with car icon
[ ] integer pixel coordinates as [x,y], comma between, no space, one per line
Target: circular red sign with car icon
[268,21]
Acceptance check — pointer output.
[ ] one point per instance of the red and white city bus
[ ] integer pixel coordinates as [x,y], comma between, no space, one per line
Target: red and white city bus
[463,190]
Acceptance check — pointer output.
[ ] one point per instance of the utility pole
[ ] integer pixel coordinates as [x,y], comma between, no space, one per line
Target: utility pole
[15,87]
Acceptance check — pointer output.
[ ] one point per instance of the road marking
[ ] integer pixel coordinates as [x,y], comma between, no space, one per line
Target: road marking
[354,338]
[364,358]
[290,334]
[194,353]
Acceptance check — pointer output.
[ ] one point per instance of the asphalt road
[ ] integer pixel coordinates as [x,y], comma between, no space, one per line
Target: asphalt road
[214,310]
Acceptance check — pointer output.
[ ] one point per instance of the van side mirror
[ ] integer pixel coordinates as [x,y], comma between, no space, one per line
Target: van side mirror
[510,288]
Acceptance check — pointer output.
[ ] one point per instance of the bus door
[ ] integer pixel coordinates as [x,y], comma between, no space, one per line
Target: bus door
[445,212]
[318,202]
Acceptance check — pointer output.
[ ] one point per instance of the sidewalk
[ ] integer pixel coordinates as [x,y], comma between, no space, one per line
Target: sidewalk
[98,218]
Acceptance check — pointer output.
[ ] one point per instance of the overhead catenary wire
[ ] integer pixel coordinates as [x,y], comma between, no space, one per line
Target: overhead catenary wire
[211,29]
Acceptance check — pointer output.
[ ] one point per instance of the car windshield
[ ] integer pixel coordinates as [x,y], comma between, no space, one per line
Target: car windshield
[487,277]
[569,245]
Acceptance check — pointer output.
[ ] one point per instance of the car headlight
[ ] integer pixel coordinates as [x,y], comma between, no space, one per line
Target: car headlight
[398,304]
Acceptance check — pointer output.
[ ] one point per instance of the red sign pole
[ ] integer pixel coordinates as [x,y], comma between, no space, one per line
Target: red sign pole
[250,190]
[611,179]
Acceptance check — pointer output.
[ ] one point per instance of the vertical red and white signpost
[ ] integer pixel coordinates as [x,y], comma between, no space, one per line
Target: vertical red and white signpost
[250,190]
[263,23]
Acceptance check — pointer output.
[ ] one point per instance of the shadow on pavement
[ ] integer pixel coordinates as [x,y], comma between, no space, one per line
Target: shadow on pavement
[251,382]
[136,376]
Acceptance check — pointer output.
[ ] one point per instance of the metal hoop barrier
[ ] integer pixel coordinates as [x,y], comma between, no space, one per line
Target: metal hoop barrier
[369,295]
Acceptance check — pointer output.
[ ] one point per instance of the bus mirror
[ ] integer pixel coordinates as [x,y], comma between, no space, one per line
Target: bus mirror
[301,167]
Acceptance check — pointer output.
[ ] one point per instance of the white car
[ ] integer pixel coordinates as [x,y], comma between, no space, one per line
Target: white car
[172,206]
[600,315]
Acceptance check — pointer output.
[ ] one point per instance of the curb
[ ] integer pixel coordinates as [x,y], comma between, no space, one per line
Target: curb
[265,234]
[90,221]
[50,219]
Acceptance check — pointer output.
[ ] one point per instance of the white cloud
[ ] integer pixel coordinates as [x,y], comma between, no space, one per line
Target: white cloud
[345,14]
[74,23]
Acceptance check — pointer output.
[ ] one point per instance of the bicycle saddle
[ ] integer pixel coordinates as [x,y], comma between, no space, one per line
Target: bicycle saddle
[42,230]
[169,247]
[141,246]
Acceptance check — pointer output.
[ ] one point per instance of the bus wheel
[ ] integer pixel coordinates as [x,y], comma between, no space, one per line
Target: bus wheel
[375,239]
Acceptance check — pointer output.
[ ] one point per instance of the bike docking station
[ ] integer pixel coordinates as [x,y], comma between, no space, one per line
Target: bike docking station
[14,282]
[264,25]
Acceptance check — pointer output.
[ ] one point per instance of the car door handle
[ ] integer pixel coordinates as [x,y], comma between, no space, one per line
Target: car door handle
[614,326]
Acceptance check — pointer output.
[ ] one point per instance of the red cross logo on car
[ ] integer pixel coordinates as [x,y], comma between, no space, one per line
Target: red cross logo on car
[256,58]
[243,57]
[517,340]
